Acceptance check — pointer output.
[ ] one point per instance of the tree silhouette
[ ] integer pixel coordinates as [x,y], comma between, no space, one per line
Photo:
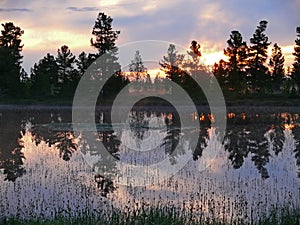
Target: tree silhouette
[194,69]
[170,64]
[246,137]
[68,77]
[104,42]
[195,47]
[105,36]
[11,59]
[276,64]
[237,56]
[296,64]
[44,77]
[257,58]
[138,70]
[220,71]
[83,61]
[193,64]
[11,146]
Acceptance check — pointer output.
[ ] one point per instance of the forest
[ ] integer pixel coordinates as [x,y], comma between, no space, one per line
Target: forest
[248,71]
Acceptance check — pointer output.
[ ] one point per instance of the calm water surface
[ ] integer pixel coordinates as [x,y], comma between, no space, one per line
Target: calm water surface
[46,169]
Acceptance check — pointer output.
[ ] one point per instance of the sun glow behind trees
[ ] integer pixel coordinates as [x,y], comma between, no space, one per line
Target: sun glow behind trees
[245,70]
[50,40]
[37,42]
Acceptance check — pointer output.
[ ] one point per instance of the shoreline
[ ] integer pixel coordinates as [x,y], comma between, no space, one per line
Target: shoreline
[229,108]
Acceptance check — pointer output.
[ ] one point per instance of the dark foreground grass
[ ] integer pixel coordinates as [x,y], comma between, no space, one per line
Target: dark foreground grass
[161,217]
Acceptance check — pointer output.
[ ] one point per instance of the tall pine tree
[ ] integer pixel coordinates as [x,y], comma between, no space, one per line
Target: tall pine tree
[138,70]
[67,75]
[237,55]
[83,61]
[137,67]
[105,42]
[194,69]
[220,71]
[257,58]
[11,59]
[105,36]
[171,63]
[44,77]
[296,64]
[276,64]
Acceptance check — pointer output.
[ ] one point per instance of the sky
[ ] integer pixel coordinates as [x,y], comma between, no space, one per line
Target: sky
[48,24]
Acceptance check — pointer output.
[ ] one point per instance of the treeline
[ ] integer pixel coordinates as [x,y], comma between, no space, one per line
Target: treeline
[248,69]
[56,75]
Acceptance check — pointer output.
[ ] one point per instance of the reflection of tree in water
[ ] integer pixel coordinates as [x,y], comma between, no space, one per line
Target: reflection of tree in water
[105,185]
[173,134]
[138,124]
[106,164]
[171,141]
[247,137]
[11,162]
[11,155]
[250,140]
[205,124]
[64,141]
[296,132]
[13,127]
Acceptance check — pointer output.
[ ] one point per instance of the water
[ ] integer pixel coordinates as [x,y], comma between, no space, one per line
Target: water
[49,170]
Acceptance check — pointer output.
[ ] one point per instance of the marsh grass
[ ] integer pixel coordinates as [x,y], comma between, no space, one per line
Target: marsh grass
[159,216]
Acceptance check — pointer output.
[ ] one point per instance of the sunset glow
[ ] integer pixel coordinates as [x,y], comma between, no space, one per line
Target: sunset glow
[49,40]
[48,27]
[213,57]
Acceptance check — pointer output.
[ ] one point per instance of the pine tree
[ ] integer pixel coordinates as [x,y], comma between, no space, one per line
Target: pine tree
[220,71]
[137,67]
[193,64]
[138,70]
[83,62]
[257,58]
[296,64]
[237,56]
[105,36]
[11,59]
[171,64]
[194,71]
[276,64]
[67,75]
[109,70]
[44,77]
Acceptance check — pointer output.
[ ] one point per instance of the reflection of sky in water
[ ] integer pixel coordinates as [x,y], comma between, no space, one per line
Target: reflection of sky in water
[52,186]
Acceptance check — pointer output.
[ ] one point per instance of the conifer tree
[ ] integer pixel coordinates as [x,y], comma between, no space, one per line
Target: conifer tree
[11,59]
[237,55]
[257,58]
[296,64]
[276,64]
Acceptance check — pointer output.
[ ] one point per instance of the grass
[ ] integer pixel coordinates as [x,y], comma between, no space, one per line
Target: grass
[282,217]
[158,216]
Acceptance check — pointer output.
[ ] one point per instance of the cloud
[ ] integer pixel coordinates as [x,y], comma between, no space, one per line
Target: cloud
[15,10]
[83,9]
[52,23]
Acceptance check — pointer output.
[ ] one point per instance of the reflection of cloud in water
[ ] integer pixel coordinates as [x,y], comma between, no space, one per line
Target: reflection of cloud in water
[225,191]
[50,186]
[152,135]
[53,186]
